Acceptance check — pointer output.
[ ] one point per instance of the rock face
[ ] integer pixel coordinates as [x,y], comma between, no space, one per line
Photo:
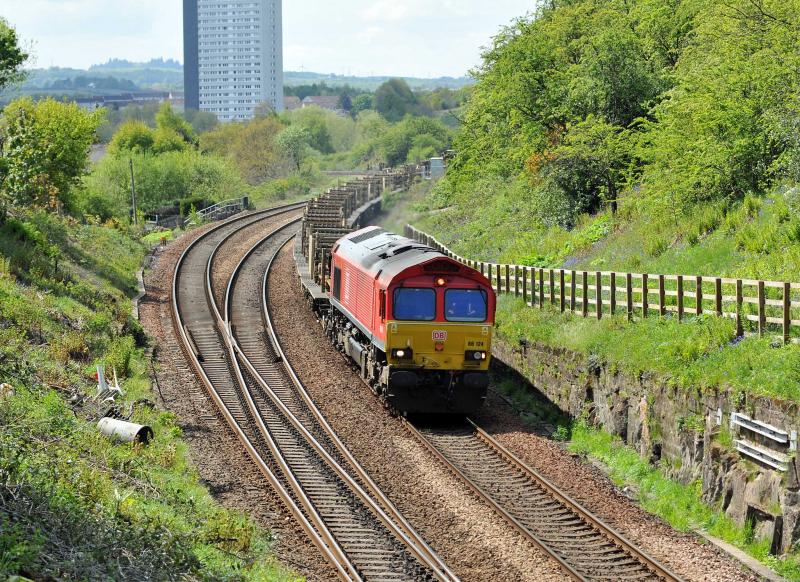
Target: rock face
[687,432]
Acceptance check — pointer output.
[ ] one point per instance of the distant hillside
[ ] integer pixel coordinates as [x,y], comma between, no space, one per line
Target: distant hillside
[122,64]
[160,74]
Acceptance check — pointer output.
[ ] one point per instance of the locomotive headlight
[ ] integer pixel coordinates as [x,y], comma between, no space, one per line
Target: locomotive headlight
[475,356]
[441,282]
[478,355]
[402,353]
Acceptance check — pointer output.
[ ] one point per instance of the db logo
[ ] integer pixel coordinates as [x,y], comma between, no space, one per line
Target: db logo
[440,336]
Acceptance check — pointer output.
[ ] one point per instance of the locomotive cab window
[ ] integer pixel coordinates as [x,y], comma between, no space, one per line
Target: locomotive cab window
[414,304]
[337,283]
[465,305]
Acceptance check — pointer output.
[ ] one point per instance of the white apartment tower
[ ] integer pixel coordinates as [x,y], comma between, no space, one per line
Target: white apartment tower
[233,54]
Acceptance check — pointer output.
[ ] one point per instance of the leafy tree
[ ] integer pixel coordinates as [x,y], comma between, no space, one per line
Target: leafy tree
[251,147]
[167,140]
[294,143]
[394,100]
[315,121]
[201,121]
[46,150]
[589,167]
[345,102]
[361,102]
[426,134]
[132,136]
[167,119]
[12,56]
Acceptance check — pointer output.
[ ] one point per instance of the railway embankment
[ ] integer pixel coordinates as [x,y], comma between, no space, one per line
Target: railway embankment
[690,434]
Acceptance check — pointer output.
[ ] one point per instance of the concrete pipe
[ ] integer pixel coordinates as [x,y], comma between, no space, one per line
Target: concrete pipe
[126,432]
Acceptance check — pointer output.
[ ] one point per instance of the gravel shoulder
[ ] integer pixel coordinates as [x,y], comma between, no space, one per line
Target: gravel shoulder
[685,554]
[473,540]
[219,458]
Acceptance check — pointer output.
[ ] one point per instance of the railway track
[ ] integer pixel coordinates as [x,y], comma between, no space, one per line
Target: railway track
[586,548]
[355,527]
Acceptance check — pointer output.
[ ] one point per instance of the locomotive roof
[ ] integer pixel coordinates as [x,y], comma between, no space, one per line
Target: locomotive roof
[378,251]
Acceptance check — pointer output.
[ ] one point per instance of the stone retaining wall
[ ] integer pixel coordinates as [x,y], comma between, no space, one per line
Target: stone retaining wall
[687,432]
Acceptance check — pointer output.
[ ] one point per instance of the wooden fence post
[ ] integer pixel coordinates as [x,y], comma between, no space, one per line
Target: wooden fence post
[762,312]
[598,292]
[718,296]
[680,297]
[525,285]
[541,288]
[552,287]
[787,312]
[698,291]
[613,305]
[629,295]
[497,276]
[662,296]
[739,300]
[645,295]
[561,290]
[585,301]
[508,279]
[572,292]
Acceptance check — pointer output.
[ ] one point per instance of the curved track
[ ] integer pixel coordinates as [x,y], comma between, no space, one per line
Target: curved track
[586,548]
[347,517]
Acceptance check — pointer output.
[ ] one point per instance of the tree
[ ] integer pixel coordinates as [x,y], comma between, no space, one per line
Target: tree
[294,142]
[132,136]
[12,56]
[167,119]
[394,100]
[250,146]
[46,150]
[362,102]
[315,121]
[202,121]
[589,167]
[167,140]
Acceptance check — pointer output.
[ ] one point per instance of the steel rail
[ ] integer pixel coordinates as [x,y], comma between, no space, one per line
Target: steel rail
[225,330]
[617,538]
[399,520]
[384,510]
[192,354]
[613,538]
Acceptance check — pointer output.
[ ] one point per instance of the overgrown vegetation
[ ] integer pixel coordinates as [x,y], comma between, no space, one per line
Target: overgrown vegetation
[73,504]
[679,505]
[130,511]
[653,136]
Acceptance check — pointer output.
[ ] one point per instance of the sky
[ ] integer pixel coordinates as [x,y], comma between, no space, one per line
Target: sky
[413,38]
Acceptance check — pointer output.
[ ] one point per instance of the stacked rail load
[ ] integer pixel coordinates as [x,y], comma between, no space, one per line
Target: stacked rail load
[337,213]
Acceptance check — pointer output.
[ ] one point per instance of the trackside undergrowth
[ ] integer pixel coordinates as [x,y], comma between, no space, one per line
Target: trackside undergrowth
[75,505]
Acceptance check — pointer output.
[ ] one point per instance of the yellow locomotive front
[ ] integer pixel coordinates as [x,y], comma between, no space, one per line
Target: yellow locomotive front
[438,343]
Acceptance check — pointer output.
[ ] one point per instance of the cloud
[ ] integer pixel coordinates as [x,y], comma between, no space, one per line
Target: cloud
[385,11]
[387,37]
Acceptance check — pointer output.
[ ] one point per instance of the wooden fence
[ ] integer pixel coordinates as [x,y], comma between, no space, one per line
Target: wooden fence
[756,306]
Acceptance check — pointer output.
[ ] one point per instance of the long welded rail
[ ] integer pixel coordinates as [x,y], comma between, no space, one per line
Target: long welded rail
[369,529]
[196,317]
[586,548]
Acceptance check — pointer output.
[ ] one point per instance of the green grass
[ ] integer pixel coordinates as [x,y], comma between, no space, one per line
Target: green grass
[679,505]
[698,354]
[66,491]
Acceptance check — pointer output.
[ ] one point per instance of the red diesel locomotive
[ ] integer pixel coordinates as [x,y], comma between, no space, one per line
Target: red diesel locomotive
[417,323]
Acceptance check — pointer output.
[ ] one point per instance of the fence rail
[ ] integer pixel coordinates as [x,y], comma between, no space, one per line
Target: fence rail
[756,306]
